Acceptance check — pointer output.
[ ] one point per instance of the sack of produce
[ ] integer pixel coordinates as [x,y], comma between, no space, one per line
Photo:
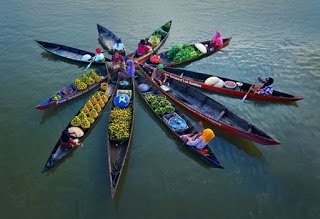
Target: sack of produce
[86,57]
[201,48]
[143,87]
[155,59]
[211,81]
[219,84]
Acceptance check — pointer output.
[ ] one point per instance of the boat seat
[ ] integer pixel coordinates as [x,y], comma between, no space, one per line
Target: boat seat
[220,115]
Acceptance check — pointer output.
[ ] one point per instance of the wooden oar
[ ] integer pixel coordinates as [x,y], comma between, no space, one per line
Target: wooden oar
[245,96]
[88,66]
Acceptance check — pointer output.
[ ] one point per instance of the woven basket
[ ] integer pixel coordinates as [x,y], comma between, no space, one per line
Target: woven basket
[104,86]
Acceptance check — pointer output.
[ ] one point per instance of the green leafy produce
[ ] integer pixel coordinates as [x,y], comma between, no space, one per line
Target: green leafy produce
[169,109]
[155,104]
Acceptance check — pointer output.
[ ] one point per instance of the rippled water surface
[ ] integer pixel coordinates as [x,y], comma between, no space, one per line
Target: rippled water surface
[269,38]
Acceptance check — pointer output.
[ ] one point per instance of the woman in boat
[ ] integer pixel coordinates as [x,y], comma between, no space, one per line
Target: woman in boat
[143,48]
[118,46]
[158,75]
[266,88]
[66,141]
[99,57]
[117,64]
[217,40]
[199,140]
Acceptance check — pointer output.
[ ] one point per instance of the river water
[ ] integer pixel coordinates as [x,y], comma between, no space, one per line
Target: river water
[273,38]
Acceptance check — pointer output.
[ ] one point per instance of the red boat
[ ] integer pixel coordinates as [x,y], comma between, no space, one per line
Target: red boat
[209,110]
[197,79]
[167,62]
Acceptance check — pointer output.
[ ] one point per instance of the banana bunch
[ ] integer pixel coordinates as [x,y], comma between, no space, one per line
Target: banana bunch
[97,108]
[104,96]
[93,100]
[91,120]
[85,123]
[85,110]
[89,105]
[97,95]
[101,103]
[93,113]
[80,84]
[76,121]
[92,73]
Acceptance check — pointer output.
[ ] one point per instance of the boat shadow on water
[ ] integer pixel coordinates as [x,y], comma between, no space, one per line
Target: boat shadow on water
[248,101]
[56,166]
[240,142]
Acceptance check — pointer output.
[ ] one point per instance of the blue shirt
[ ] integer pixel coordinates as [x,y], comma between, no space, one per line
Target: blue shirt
[266,90]
[99,57]
[118,46]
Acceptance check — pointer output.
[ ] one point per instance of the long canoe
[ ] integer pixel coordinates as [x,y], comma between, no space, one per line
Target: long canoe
[210,50]
[143,58]
[197,79]
[118,146]
[169,118]
[67,52]
[58,153]
[65,94]
[210,110]
[106,37]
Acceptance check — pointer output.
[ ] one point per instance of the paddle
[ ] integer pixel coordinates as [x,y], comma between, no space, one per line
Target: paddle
[88,66]
[245,96]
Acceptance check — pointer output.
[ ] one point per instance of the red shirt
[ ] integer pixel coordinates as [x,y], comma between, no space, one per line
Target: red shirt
[116,60]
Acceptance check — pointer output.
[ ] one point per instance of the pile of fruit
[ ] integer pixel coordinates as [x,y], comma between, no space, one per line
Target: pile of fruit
[56,97]
[182,52]
[86,80]
[160,104]
[90,111]
[154,40]
[120,121]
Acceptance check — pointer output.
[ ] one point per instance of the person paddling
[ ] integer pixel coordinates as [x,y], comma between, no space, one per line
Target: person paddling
[217,40]
[266,88]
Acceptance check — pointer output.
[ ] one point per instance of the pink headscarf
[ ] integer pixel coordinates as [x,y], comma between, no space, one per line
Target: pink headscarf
[217,39]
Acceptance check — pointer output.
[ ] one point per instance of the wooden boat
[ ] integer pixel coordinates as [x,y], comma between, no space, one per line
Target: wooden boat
[143,58]
[210,50]
[210,110]
[119,142]
[65,94]
[58,152]
[67,52]
[197,79]
[182,125]
[106,37]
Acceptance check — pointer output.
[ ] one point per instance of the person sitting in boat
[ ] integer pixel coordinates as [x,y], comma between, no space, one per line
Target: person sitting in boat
[158,75]
[99,57]
[117,63]
[67,142]
[143,48]
[217,40]
[266,89]
[199,140]
[118,46]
